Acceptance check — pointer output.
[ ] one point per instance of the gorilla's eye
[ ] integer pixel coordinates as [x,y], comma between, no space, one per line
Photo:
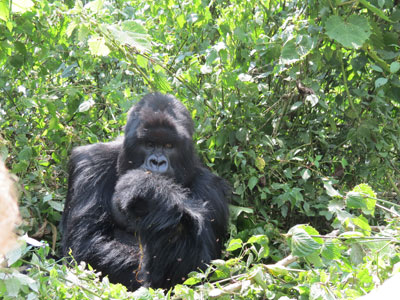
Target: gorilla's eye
[168,146]
[149,144]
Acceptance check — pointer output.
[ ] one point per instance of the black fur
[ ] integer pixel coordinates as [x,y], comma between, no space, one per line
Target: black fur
[143,228]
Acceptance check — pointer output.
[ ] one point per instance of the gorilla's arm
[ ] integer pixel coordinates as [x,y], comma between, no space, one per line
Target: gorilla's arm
[87,226]
[180,229]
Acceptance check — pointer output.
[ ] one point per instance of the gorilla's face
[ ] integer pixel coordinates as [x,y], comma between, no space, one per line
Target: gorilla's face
[158,139]
[158,155]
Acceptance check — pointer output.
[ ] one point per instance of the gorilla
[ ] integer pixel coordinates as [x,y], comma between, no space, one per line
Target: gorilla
[142,209]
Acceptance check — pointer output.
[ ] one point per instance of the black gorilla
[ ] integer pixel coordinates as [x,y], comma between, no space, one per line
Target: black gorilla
[142,209]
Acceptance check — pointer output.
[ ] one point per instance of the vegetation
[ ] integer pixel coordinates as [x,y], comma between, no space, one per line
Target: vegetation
[296,104]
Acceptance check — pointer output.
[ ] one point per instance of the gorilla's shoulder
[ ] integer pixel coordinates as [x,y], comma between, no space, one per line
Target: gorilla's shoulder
[206,180]
[95,155]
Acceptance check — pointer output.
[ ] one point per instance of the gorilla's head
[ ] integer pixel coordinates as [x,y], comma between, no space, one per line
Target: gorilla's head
[158,138]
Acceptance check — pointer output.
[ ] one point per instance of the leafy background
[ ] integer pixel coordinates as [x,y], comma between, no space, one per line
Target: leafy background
[296,104]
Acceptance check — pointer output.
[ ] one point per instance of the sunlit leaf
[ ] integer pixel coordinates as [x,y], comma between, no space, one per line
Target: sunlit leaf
[234,244]
[351,33]
[97,46]
[130,33]
[301,243]
[4,10]
[85,106]
[21,6]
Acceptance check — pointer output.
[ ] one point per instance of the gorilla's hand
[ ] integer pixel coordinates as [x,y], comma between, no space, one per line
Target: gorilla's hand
[152,200]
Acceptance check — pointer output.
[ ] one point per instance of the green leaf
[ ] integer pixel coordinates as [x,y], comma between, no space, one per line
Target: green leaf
[94,6]
[235,211]
[363,197]
[181,21]
[241,135]
[380,82]
[162,84]
[301,243]
[259,239]
[331,250]
[97,46]
[142,61]
[351,33]
[70,28]
[362,223]
[25,154]
[130,33]
[4,10]
[252,182]
[289,53]
[58,206]
[330,190]
[21,6]
[234,245]
[394,67]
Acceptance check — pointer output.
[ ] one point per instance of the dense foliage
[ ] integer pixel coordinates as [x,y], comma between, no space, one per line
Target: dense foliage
[296,103]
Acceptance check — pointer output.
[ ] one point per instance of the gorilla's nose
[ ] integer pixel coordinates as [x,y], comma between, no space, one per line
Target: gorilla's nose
[157,163]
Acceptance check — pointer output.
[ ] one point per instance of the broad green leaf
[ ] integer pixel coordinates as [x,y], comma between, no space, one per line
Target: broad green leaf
[130,33]
[331,249]
[142,61]
[262,240]
[239,34]
[357,200]
[362,223]
[357,254]
[58,206]
[181,21]
[21,6]
[289,53]
[234,245]
[301,243]
[25,154]
[330,190]
[394,67]
[241,135]
[362,196]
[351,33]
[380,82]
[162,84]
[252,182]
[259,239]
[4,10]
[235,211]
[94,6]
[97,46]
[71,26]
[305,44]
